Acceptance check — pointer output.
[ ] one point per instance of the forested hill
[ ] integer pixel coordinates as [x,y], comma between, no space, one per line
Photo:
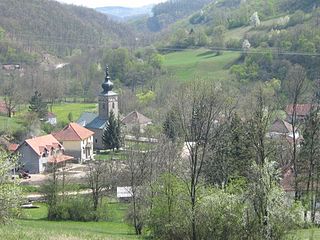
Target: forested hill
[58,27]
[169,12]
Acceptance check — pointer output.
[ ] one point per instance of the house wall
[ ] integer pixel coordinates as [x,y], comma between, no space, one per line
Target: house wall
[76,148]
[72,148]
[29,159]
[84,144]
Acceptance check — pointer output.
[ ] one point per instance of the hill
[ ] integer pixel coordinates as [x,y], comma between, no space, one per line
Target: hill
[124,13]
[48,25]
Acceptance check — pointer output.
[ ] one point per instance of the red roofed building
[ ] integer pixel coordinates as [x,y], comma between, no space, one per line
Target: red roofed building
[77,141]
[36,153]
[302,111]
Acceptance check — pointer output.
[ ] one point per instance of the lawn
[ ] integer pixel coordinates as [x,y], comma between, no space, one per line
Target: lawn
[9,125]
[199,63]
[305,234]
[63,109]
[34,226]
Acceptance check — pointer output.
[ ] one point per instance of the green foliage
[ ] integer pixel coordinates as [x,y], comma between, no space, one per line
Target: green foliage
[38,106]
[171,125]
[168,217]
[145,98]
[78,208]
[10,192]
[112,133]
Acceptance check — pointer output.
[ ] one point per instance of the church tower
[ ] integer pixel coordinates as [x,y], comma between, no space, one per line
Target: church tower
[108,100]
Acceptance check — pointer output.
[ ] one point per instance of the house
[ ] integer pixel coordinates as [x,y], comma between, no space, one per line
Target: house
[96,122]
[302,111]
[36,154]
[77,141]
[51,118]
[9,67]
[136,119]
[281,128]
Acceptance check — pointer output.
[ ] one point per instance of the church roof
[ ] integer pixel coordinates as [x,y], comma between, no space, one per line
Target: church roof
[86,118]
[97,123]
[136,118]
[91,120]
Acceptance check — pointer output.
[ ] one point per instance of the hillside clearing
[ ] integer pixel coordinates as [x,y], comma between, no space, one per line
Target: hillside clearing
[200,63]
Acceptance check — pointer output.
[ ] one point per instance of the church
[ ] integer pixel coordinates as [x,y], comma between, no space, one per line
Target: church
[96,122]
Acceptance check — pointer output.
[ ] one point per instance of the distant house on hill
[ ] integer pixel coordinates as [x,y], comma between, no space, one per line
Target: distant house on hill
[281,128]
[36,154]
[136,119]
[77,141]
[108,102]
[302,111]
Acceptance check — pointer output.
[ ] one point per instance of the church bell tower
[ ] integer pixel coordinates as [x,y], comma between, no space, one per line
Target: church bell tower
[108,100]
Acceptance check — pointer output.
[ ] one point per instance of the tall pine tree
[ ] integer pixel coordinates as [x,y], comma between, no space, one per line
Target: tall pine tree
[38,106]
[112,133]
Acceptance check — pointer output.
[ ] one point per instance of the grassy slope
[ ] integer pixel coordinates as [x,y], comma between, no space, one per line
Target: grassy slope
[200,63]
[34,226]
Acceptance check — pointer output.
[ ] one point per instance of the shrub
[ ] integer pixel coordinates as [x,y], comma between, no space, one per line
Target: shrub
[76,208]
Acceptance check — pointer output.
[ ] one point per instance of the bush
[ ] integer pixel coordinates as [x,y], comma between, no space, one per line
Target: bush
[76,208]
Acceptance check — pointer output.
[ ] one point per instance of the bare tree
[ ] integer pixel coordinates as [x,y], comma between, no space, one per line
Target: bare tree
[296,85]
[199,107]
[12,93]
[137,169]
[101,176]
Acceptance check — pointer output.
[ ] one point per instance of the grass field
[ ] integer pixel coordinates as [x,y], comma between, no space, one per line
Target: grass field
[10,125]
[199,63]
[33,226]
[63,109]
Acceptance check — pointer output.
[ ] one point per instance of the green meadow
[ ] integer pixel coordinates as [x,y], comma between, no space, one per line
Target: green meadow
[199,63]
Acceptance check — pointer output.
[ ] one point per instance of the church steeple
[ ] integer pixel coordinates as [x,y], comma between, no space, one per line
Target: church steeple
[108,100]
[107,85]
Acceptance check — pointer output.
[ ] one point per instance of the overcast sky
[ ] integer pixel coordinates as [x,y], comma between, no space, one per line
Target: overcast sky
[104,3]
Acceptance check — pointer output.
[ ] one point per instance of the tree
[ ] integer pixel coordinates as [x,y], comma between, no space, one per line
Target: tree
[101,176]
[254,20]
[38,106]
[198,107]
[295,87]
[9,190]
[12,94]
[112,133]
[171,127]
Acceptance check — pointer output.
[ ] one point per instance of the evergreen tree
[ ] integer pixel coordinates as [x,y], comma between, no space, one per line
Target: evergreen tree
[112,133]
[171,127]
[37,105]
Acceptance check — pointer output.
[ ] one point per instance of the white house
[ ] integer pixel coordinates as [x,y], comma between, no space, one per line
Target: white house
[35,154]
[77,141]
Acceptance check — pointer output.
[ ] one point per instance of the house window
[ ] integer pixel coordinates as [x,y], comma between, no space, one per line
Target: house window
[96,140]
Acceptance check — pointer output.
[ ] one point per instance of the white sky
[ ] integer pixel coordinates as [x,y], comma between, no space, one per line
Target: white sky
[104,3]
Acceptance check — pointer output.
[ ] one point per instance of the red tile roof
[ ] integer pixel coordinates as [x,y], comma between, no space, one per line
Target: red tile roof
[73,132]
[13,147]
[301,109]
[39,144]
[59,158]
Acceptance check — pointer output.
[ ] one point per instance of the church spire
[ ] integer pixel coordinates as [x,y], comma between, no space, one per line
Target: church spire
[107,85]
